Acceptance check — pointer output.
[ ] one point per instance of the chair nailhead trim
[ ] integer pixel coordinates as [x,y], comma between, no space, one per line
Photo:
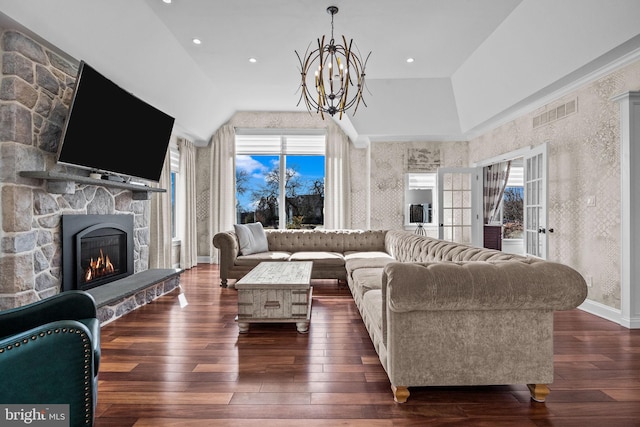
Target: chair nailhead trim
[87,362]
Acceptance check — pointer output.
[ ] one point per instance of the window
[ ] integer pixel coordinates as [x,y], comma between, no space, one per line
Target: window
[421,190]
[280,176]
[513,202]
[175,168]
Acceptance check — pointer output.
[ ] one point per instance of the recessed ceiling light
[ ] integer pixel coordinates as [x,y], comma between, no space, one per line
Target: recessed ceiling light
[253,60]
[196,41]
[409,60]
[167,1]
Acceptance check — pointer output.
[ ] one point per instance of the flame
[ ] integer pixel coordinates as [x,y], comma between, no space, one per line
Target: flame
[102,266]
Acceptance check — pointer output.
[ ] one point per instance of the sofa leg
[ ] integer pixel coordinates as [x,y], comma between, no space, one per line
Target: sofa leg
[400,393]
[223,283]
[539,392]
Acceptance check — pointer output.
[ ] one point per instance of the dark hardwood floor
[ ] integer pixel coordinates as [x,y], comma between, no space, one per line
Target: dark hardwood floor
[171,365]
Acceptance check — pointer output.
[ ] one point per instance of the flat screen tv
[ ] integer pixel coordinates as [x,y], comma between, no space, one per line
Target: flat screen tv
[109,130]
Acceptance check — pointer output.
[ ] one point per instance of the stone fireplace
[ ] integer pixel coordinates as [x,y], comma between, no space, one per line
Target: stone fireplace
[36,87]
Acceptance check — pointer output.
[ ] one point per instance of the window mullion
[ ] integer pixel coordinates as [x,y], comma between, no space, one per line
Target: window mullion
[282,197]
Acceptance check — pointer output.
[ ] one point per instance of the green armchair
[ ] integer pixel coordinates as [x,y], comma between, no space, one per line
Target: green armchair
[50,354]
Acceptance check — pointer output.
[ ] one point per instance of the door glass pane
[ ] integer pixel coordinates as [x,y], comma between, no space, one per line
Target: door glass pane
[448,216]
[466,216]
[447,198]
[456,195]
[457,181]
[535,210]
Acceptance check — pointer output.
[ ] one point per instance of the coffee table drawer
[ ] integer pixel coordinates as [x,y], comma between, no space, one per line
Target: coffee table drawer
[273,303]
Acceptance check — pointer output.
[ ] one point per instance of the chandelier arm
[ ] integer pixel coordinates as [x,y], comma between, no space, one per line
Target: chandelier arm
[305,93]
[319,72]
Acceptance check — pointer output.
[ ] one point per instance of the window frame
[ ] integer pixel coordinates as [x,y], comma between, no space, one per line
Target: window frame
[174,158]
[289,143]
[430,183]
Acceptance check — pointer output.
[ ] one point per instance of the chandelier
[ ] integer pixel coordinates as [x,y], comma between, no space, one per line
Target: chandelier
[338,80]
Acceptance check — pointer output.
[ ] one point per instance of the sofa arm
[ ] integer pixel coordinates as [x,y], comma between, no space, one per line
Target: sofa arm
[476,285]
[51,364]
[227,244]
[69,305]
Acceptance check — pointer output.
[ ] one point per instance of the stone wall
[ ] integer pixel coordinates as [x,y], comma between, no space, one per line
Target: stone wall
[36,88]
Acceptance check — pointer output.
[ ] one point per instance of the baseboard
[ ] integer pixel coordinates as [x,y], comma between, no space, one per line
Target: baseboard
[205,260]
[609,313]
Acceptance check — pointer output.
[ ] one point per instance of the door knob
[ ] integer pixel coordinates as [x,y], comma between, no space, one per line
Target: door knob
[542,230]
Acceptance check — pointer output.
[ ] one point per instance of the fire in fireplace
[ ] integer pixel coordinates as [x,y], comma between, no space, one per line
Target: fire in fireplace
[101,267]
[96,249]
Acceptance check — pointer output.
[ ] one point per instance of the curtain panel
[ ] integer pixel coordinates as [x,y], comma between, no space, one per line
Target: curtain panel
[160,238]
[186,205]
[495,182]
[337,205]
[223,183]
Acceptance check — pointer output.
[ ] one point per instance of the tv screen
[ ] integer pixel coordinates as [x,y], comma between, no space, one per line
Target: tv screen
[109,130]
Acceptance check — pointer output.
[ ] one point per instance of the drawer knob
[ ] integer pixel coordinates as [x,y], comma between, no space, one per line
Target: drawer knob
[272,304]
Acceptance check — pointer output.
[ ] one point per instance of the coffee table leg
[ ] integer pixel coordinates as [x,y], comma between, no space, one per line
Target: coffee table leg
[244,327]
[303,327]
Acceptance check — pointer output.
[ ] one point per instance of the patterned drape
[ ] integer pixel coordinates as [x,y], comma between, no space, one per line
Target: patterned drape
[495,181]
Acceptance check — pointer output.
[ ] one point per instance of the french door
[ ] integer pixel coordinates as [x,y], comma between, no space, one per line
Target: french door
[460,203]
[535,202]
[459,191]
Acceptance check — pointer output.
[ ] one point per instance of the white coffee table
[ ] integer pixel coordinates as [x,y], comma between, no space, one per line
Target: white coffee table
[276,292]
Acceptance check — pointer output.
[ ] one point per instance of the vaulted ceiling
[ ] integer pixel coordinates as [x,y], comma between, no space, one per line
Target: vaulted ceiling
[476,62]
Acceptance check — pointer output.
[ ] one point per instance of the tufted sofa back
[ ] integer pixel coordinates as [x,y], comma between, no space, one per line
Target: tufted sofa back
[326,240]
[408,247]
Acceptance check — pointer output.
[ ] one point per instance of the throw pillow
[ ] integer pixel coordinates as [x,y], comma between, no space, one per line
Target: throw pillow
[251,237]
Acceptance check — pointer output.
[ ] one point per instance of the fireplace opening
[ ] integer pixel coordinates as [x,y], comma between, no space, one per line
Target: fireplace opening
[96,249]
[102,251]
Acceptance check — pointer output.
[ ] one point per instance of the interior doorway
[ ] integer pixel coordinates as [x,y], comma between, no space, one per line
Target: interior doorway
[512,210]
[520,220]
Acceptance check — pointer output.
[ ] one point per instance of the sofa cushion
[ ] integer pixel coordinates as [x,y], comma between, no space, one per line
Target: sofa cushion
[366,279]
[372,316]
[251,238]
[366,254]
[353,264]
[318,257]
[253,259]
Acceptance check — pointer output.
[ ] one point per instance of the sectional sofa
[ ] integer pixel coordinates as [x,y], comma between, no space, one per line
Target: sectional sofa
[438,313]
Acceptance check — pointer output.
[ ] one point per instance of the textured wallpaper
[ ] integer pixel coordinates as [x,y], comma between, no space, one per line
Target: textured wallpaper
[583,163]
[390,161]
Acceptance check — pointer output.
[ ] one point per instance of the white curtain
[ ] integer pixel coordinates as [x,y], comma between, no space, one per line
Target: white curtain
[337,191]
[495,181]
[223,183]
[160,221]
[186,205]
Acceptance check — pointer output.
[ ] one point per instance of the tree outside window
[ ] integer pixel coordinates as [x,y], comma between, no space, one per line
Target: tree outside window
[513,213]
